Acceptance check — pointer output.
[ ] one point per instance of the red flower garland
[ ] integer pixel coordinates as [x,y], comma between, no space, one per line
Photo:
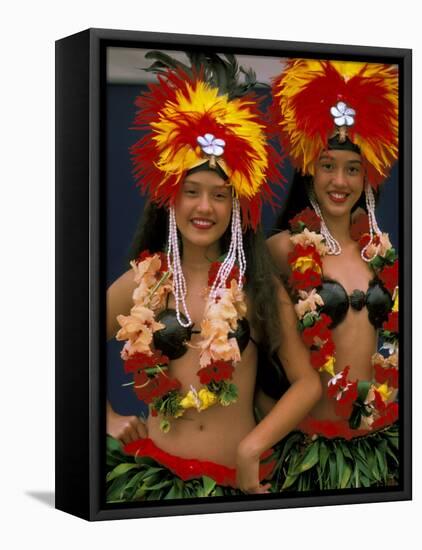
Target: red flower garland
[392,324]
[306,218]
[150,388]
[314,326]
[390,276]
[213,272]
[305,281]
[360,227]
[215,372]
[318,331]
[390,375]
[153,385]
[139,361]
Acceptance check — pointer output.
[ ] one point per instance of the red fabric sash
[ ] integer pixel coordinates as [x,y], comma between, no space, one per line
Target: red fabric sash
[340,428]
[187,468]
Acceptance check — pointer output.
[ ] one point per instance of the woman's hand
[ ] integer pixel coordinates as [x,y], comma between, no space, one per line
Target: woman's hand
[125,428]
[247,475]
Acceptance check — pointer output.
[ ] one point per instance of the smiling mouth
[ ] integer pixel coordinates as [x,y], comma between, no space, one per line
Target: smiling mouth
[338,197]
[201,223]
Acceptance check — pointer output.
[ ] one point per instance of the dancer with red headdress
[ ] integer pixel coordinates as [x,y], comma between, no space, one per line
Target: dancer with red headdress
[338,123]
[201,296]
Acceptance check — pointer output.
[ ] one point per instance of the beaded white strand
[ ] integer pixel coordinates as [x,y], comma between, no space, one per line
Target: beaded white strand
[235,253]
[333,246]
[179,281]
[373,225]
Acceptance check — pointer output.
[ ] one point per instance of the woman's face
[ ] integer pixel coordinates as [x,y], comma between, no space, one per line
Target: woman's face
[338,181]
[203,208]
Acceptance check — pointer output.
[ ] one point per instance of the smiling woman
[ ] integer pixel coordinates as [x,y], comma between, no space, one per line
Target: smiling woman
[340,128]
[200,299]
[338,181]
[203,208]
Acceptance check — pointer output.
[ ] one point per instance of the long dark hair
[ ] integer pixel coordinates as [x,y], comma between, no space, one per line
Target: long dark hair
[152,234]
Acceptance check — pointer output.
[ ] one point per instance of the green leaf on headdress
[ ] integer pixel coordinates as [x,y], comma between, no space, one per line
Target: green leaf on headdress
[166,60]
[221,72]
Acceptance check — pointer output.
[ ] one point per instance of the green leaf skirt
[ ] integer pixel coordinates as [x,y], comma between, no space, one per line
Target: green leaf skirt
[319,463]
[304,463]
[142,478]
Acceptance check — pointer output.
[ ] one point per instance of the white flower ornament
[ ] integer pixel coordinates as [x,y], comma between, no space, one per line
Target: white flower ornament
[343,115]
[211,145]
[335,379]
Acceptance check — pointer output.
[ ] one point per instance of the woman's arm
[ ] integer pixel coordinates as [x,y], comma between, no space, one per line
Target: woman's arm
[279,246]
[119,301]
[294,405]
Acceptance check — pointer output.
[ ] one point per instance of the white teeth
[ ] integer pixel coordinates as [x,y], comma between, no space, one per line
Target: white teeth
[339,195]
[202,222]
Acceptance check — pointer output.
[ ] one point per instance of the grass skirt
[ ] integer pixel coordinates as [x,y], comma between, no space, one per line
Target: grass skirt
[142,471]
[316,462]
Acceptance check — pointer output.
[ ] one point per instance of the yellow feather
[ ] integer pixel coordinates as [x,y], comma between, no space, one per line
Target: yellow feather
[233,115]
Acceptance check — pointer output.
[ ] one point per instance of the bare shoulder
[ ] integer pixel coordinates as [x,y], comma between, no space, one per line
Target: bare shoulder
[279,246]
[124,282]
[119,293]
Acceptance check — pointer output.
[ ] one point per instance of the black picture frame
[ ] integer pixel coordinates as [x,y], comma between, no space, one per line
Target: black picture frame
[80,264]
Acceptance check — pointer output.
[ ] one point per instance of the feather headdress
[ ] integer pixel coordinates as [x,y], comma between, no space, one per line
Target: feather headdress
[189,119]
[316,100]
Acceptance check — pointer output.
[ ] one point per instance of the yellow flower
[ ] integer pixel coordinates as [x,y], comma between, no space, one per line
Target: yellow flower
[396,300]
[384,391]
[190,400]
[198,400]
[207,398]
[329,366]
[305,262]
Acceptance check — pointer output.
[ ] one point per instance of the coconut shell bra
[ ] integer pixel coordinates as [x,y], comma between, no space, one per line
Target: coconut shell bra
[337,302]
[171,340]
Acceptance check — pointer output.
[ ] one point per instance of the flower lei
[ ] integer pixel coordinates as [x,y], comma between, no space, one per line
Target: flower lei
[219,351]
[364,404]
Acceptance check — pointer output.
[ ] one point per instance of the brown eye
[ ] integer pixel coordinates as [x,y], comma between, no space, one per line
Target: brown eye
[354,170]
[221,196]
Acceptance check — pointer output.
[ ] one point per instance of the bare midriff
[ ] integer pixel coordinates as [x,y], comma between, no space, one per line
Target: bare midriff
[215,433]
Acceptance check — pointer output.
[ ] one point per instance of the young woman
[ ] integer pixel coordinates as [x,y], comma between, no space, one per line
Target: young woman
[196,305]
[338,123]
